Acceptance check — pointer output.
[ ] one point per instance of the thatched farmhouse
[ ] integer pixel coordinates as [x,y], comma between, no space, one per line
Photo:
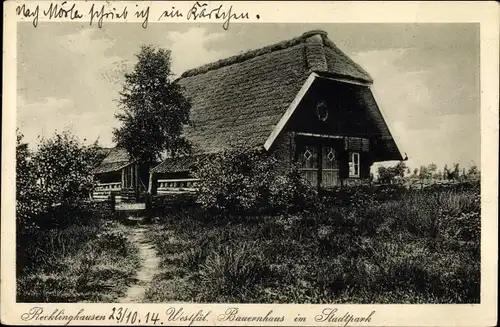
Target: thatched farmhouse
[302,99]
[119,175]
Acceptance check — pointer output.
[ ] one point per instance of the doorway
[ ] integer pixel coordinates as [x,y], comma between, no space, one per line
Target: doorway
[319,164]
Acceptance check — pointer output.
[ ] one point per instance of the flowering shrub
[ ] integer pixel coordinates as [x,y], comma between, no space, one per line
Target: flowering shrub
[57,175]
[247,181]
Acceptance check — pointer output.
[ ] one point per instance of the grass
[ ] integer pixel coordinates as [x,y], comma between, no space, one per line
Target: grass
[378,246]
[79,263]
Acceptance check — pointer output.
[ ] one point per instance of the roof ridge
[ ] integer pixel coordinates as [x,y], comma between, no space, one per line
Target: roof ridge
[254,53]
[315,51]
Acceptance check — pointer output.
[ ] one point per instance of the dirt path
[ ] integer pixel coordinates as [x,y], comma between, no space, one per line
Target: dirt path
[149,266]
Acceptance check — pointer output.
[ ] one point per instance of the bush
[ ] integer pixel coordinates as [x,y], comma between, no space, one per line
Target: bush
[246,181]
[291,193]
[55,179]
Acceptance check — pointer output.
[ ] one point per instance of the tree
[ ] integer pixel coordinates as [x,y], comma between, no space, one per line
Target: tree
[473,173]
[452,174]
[456,169]
[424,173]
[399,169]
[24,166]
[388,174]
[432,170]
[415,172]
[28,201]
[438,175]
[384,175]
[153,109]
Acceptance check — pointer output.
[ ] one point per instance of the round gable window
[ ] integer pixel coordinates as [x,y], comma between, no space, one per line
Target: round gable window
[322,111]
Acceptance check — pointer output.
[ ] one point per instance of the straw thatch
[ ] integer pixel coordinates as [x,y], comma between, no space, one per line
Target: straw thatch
[239,100]
[116,159]
[179,164]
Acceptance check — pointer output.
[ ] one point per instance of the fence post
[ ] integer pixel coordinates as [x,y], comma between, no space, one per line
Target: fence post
[112,201]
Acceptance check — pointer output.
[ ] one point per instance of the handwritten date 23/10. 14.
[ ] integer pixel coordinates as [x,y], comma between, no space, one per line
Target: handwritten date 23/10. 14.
[128,316]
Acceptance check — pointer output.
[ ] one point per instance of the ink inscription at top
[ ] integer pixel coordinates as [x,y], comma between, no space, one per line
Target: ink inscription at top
[98,14]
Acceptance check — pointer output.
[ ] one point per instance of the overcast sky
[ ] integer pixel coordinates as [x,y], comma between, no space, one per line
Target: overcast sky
[426,75]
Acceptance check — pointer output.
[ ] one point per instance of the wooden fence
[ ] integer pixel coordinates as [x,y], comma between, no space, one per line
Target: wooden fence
[177,186]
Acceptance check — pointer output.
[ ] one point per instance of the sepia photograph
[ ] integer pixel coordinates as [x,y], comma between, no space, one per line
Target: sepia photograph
[221,164]
[269,163]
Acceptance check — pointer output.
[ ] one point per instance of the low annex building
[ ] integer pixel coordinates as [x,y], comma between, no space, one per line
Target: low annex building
[303,99]
[119,175]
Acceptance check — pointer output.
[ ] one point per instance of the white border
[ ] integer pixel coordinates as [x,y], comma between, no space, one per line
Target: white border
[485,13]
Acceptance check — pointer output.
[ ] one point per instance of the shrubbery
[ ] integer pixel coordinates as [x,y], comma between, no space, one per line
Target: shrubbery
[53,181]
[245,181]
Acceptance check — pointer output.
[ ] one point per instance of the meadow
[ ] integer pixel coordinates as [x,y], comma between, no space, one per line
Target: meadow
[364,245]
[85,261]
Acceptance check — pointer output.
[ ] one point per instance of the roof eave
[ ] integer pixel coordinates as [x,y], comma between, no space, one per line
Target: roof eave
[97,171]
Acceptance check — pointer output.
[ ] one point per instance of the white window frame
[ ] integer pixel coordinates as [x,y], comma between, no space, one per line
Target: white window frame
[354,161]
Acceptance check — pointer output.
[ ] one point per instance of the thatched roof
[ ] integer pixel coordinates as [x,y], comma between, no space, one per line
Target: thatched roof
[116,159]
[103,151]
[179,164]
[239,101]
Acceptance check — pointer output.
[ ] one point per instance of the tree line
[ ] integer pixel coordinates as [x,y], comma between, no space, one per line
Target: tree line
[429,172]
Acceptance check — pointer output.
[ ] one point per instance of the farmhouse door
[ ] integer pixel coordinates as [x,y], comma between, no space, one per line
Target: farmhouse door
[329,167]
[319,165]
[308,160]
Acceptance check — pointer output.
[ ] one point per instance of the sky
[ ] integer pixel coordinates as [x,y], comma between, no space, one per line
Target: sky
[426,76]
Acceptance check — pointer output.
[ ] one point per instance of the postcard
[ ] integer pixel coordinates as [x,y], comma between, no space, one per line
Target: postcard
[250,163]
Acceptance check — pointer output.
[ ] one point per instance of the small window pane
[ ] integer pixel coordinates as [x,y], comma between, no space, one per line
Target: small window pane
[354,164]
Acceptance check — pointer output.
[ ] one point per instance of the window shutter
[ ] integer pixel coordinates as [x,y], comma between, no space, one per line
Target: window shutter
[357,144]
[365,145]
